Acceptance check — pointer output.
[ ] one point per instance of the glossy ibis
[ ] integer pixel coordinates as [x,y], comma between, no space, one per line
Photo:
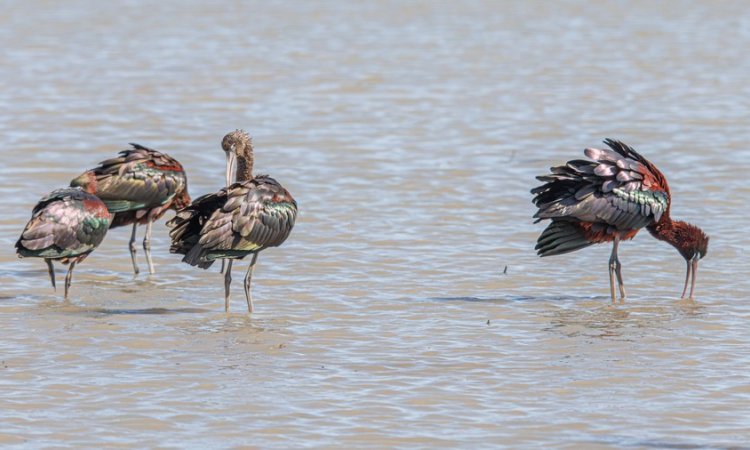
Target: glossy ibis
[242,219]
[138,187]
[608,199]
[65,226]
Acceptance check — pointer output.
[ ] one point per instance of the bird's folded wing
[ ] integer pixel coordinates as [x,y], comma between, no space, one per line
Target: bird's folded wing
[256,215]
[61,227]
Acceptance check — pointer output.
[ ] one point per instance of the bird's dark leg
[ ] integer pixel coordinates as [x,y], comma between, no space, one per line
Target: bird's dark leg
[147,247]
[248,279]
[687,277]
[51,271]
[227,283]
[68,277]
[133,249]
[223,264]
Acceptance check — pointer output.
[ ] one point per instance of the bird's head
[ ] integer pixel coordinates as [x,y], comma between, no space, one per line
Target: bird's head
[234,144]
[690,241]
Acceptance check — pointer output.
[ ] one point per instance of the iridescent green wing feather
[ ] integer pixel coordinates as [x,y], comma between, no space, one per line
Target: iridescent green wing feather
[236,221]
[66,223]
[257,214]
[138,178]
[618,188]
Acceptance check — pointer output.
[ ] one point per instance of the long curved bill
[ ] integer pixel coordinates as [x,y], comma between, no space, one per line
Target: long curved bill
[692,271]
[231,162]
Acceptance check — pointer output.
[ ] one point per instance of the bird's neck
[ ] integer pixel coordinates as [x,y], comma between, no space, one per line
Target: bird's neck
[245,165]
[676,233]
[665,229]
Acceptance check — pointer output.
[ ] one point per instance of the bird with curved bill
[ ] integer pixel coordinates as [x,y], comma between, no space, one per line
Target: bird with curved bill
[240,220]
[609,198]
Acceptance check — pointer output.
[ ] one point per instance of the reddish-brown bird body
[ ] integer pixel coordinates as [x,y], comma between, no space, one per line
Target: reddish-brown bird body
[598,234]
[609,199]
[138,187]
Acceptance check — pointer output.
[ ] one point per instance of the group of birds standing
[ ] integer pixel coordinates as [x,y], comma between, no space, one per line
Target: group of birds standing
[138,187]
[607,198]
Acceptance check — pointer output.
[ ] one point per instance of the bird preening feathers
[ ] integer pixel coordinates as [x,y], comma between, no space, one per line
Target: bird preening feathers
[609,198]
[240,220]
[66,225]
[138,187]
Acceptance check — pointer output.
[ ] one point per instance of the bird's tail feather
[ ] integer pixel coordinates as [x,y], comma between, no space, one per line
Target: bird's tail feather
[561,237]
[193,257]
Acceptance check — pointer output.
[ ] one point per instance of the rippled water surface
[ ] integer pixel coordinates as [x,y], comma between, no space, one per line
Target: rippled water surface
[409,133]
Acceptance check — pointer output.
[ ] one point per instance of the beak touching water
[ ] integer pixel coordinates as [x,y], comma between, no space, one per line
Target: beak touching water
[692,269]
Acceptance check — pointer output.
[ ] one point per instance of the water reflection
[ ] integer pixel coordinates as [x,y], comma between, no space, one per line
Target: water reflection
[628,320]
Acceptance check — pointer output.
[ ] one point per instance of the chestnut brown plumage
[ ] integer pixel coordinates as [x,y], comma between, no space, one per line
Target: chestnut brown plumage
[609,199]
[138,187]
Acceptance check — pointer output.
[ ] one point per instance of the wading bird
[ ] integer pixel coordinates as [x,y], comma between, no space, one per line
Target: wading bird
[242,219]
[65,226]
[138,187]
[609,199]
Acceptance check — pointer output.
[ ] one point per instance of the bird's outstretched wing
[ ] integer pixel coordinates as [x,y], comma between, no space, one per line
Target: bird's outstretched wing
[618,188]
[138,178]
[66,223]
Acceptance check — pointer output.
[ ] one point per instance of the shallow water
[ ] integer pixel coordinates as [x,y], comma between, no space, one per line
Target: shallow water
[410,135]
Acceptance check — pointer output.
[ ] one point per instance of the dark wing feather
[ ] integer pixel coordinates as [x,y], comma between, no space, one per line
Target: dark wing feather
[241,219]
[188,223]
[560,237]
[257,214]
[66,223]
[136,179]
[619,188]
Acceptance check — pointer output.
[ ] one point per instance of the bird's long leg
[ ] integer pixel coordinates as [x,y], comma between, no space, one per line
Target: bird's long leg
[695,274]
[133,249]
[248,280]
[68,277]
[51,271]
[687,278]
[227,283]
[612,265]
[615,270]
[223,264]
[618,270]
[147,247]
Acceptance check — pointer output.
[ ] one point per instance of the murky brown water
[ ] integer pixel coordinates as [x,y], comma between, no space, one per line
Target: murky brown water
[409,134]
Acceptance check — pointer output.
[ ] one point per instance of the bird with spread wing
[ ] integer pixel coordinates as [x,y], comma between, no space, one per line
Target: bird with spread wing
[609,198]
